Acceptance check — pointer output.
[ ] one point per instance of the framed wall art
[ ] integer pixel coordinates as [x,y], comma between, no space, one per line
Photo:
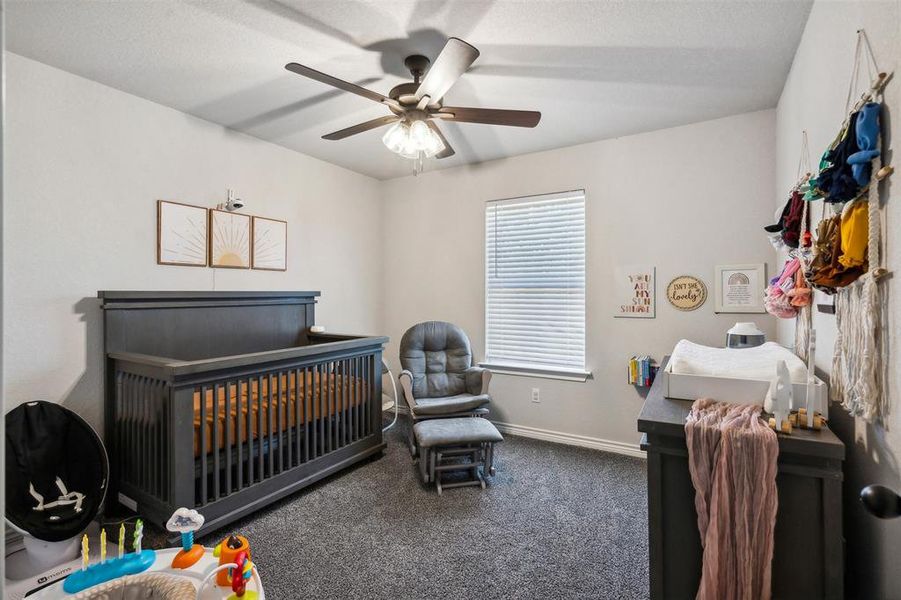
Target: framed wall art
[686,293]
[181,234]
[270,244]
[634,292]
[739,288]
[230,240]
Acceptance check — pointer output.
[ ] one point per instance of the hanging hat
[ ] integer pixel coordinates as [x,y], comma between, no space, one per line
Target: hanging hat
[867,139]
[836,182]
[789,224]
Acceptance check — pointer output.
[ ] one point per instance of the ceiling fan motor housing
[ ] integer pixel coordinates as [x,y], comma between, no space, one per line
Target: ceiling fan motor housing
[417,64]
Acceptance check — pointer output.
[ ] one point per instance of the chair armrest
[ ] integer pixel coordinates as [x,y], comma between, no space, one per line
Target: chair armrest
[477,380]
[406,386]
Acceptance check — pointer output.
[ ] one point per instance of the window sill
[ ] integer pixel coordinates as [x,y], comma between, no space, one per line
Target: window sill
[541,372]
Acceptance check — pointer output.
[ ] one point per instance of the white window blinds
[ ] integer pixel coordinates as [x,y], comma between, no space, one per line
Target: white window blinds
[535,281]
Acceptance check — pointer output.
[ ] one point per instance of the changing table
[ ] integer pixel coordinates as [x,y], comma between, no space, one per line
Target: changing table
[809,545]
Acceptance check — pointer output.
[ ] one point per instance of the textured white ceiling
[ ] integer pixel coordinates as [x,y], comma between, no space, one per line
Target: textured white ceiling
[595,69]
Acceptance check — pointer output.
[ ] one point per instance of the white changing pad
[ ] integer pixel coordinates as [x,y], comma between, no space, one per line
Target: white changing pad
[758,363]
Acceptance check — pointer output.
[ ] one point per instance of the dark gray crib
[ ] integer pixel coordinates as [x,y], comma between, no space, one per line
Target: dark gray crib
[226,402]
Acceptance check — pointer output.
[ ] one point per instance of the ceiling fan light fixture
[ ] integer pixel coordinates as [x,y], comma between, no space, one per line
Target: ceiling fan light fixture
[413,140]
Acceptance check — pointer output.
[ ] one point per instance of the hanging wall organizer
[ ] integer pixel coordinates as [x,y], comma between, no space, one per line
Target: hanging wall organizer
[847,261]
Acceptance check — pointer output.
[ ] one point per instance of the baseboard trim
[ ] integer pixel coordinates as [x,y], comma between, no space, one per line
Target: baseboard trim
[570,439]
[558,437]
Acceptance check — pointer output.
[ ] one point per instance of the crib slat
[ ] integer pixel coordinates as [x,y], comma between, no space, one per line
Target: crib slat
[327,415]
[280,416]
[250,437]
[318,439]
[358,390]
[239,421]
[345,411]
[151,438]
[139,429]
[348,398]
[368,406]
[215,441]
[164,447]
[227,420]
[339,404]
[286,413]
[261,470]
[151,433]
[277,459]
[307,392]
[129,428]
[297,421]
[203,467]
[351,399]
[142,432]
[270,425]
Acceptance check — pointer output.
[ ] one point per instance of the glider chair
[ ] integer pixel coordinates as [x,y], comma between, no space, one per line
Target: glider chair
[438,380]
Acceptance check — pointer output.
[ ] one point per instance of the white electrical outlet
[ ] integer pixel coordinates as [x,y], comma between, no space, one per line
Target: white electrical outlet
[536,396]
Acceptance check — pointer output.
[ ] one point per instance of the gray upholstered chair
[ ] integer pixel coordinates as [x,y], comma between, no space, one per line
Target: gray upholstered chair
[439,379]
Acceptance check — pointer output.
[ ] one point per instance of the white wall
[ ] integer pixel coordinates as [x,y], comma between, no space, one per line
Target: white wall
[814,99]
[85,167]
[683,199]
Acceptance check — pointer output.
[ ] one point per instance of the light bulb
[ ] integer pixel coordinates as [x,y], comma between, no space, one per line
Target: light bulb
[396,137]
[421,134]
[434,146]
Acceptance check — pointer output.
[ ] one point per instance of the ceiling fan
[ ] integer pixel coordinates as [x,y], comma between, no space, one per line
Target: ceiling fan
[416,107]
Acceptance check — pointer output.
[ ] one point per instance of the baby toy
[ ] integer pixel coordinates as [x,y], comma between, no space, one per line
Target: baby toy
[227,551]
[240,576]
[778,400]
[107,570]
[186,521]
[188,572]
[813,414]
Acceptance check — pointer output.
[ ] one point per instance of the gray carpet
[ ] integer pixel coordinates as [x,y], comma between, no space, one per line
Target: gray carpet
[556,522]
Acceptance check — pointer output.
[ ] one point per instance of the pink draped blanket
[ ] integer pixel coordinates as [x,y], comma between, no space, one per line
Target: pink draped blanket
[732,458]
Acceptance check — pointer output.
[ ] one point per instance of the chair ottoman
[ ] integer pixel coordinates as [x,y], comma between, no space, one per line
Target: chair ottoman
[456,444]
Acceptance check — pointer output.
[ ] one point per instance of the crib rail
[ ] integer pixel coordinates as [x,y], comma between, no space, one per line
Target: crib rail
[212,434]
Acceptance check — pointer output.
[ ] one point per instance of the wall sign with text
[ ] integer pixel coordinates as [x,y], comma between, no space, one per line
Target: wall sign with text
[634,292]
[686,292]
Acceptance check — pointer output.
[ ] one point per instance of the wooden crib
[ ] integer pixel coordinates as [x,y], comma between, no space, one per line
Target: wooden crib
[226,402]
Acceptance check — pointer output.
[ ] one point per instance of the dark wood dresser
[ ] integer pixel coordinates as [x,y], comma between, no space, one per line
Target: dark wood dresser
[808,555]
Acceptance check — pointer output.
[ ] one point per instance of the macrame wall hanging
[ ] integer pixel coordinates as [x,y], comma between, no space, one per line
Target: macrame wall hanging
[849,180]
[804,320]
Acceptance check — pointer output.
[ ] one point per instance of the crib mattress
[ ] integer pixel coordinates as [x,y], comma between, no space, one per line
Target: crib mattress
[321,396]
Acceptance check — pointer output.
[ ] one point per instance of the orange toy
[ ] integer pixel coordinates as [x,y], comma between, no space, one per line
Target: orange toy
[227,551]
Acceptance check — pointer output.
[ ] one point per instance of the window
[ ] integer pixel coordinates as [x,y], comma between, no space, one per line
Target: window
[535,284]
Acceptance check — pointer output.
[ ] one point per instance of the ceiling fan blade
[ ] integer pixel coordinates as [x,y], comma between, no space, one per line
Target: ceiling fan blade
[361,127]
[340,84]
[448,150]
[490,116]
[453,61]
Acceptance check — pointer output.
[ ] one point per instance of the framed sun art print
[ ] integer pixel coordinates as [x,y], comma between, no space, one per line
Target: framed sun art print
[230,240]
[181,234]
[270,244]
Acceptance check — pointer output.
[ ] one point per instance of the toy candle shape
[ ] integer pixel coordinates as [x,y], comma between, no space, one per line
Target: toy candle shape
[139,534]
[121,540]
[85,552]
[102,545]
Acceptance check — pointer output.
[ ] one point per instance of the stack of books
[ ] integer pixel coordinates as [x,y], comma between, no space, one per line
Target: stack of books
[642,370]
